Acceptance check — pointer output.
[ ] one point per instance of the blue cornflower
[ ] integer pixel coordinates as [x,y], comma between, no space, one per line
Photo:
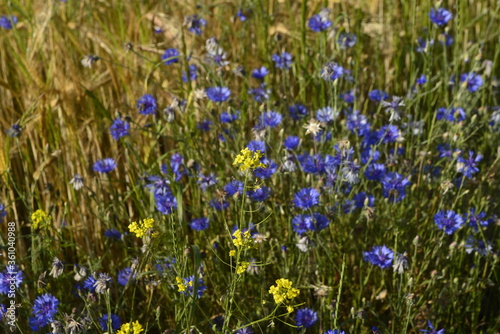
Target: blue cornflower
[297,111]
[3,212]
[11,275]
[375,172]
[105,165]
[158,185]
[241,16]
[320,22]
[394,187]
[472,80]
[304,223]
[257,145]
[166,203]
[348,96]
[102,283]
[350,172]
[44,309]
[270,119]
[14,131]
[165,265]
[331,71]
[204,125]
[234,187]
[327,114]
[199,224]
[218,94]
[450,115]
[334,331]
[445,151]
[193,73]
[357,123]
[245,330]
[3,311]
[477,245]
[363,199]
[177,165]
[346,40]
[440,17]
[432,330]
[421,79]
[219,204]
[449,221]
[305,317]
[291,142]
[260,94]
[468,166]
[125,275]
[369,155]
[206,181]
[188,284]
[389,133]
[381,256]
[194,23]
[306,198]
[267,171]
[260,73]
[171,56]
[8,22]
[378,95]
[422,45]
[115,322]
[312,164]
[259,195]
[283,61]
[227,117]
[119,128]
[89,283]
[146,105]
[476,219]
[113,234]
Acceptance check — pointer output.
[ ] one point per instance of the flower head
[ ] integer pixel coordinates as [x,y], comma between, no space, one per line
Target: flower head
[304,223]
[12,275]
[306,198]
[105,165]
[170,56]
[468,166]
[283,291]
[320,22]
[125,275]
[115,322]
[432,330]
[44,309]
[306,317]
[248,159]
[8,22]
[146,105]
[40,219]
[186,286]
[448,221]
[131,328]
[119,128]
[199,224]
[381,256]
[142,227]
[194,24]
[218,94]
[440,17]
[331,71]
[472,81]
[283,61]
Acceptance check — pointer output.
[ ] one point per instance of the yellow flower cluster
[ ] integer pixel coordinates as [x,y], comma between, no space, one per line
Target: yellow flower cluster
[248,159]
[39,219]
[243,240]
[182,285]
[141,228]
[131,328]
[242,267]
[283,291]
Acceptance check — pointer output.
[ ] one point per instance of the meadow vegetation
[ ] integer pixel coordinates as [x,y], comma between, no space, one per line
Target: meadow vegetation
[252,166]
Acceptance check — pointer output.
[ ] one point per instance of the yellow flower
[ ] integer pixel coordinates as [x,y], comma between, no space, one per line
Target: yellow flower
[39,219]
[248,159]
[289,309]
[131,328]
[232,253]
[243,239]
[283,290]
[180,284]
[242,267]
[141,228]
